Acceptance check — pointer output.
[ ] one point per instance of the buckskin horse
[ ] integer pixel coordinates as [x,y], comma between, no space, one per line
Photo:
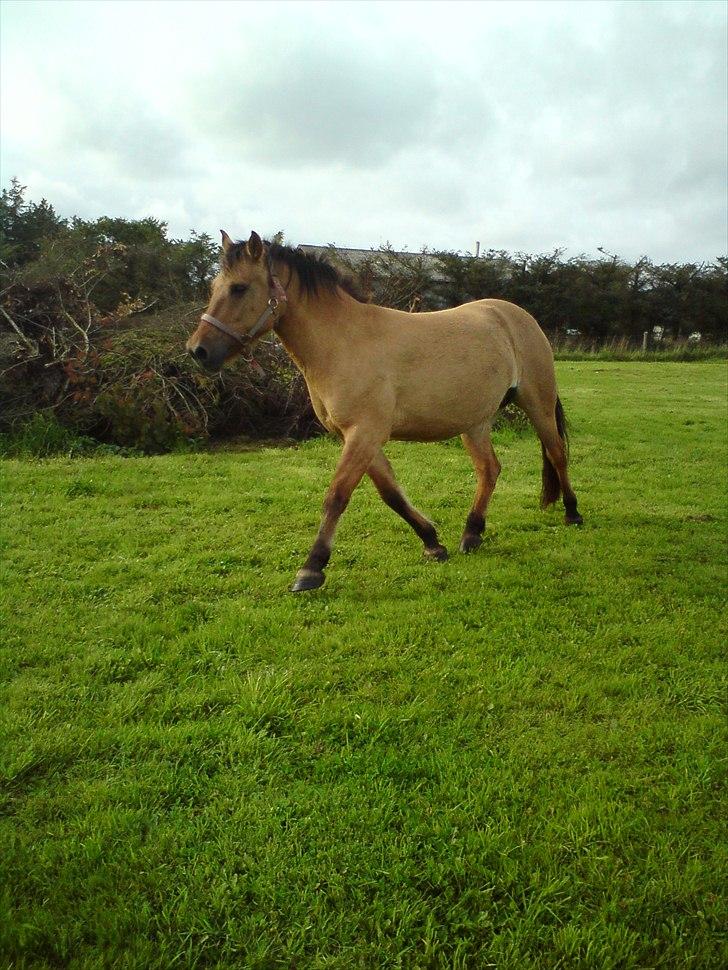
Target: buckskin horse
[376,374]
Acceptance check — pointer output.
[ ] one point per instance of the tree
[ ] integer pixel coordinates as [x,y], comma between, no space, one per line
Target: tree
[25,225]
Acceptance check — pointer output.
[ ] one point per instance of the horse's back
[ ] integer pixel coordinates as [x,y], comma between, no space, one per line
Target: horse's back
[492,333]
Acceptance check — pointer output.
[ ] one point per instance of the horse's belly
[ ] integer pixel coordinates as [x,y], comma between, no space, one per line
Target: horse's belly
[429,432]
[437,419]
[448,402]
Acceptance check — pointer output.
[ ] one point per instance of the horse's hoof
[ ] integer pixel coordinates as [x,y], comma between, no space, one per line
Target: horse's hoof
[437,554]
[471,542]
[307,579]
[574,519]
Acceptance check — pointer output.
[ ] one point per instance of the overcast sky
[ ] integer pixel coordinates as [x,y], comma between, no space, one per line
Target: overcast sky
[523,125]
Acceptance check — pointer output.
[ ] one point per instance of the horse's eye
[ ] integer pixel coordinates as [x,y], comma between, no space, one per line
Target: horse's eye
[237,289]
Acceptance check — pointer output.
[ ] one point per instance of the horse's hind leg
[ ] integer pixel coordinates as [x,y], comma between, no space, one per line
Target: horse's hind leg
[550,424]
[487,468]
[380,472]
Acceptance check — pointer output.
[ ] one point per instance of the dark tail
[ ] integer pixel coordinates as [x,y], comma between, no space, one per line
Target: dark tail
[551,486]
[561,425]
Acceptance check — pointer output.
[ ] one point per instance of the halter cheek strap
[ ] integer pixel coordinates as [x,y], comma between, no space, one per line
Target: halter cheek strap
[277,297]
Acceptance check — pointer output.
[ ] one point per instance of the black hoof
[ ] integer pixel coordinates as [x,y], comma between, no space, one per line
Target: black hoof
[307,579]
[470,542]
[436,553]
[574,520]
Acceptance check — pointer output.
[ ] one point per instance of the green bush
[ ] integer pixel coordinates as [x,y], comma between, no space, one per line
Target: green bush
[42,436]
[135,416]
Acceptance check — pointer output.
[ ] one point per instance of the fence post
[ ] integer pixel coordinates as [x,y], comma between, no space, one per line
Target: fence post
[644,341]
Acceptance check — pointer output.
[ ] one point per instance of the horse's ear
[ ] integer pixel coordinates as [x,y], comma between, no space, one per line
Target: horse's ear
[254,246]
[226,241]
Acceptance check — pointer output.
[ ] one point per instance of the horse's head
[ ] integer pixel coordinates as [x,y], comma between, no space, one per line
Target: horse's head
[244,302]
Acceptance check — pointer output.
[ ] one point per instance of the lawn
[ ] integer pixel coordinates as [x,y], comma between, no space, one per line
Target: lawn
[514,759]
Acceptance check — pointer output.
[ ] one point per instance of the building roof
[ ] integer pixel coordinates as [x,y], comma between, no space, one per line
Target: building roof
[357,256]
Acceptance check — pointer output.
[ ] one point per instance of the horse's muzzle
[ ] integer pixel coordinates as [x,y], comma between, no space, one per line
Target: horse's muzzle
[201,355]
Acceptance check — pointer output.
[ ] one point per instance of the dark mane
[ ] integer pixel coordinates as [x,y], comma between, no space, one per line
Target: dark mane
[314,272]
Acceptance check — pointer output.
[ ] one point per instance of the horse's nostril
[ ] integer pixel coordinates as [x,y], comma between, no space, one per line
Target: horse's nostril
[200,353]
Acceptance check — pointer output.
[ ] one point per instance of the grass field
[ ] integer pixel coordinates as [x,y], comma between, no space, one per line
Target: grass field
[510,760]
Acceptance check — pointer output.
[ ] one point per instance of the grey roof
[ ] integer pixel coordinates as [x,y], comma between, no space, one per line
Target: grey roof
[357,256]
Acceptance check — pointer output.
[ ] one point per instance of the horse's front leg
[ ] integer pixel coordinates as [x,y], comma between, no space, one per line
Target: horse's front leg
[360,447]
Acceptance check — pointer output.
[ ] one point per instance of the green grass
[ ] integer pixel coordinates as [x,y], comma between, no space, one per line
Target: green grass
[513,759]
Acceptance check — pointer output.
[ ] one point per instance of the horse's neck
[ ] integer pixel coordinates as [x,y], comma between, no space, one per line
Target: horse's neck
[314,332]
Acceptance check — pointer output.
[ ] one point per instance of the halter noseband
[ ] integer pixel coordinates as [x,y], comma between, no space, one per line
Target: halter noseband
[277,297]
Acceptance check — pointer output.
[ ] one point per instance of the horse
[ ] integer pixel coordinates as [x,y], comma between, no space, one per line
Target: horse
[376,373]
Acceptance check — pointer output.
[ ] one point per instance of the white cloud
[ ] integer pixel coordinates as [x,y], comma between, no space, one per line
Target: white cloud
[525,126]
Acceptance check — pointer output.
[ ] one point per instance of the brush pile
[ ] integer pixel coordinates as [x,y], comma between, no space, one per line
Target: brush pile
[124,377]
